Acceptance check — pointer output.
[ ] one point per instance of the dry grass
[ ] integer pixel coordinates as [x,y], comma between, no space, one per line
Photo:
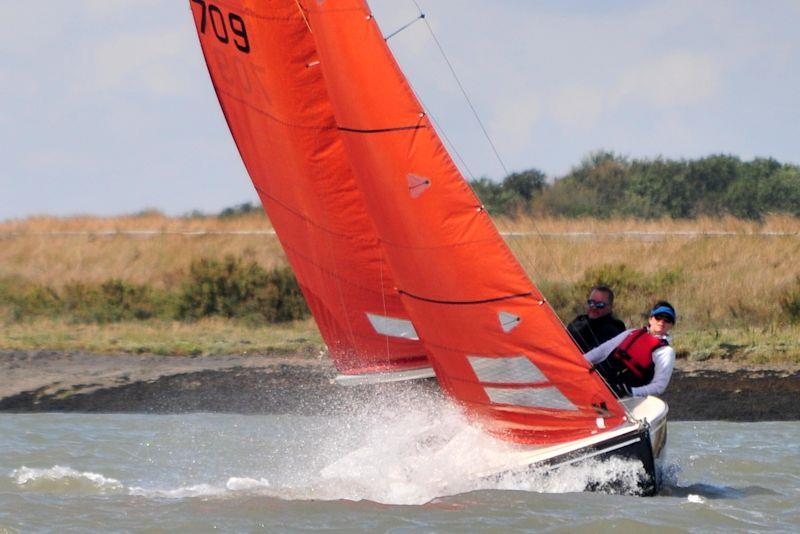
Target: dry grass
[208,336]
[724,280]
[43,250]
[770,345]
[734,347]
[727,291]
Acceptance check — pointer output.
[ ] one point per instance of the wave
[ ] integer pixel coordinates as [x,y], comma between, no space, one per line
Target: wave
[66,479]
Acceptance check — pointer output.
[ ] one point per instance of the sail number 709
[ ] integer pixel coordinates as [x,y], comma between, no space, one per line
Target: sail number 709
[212,13]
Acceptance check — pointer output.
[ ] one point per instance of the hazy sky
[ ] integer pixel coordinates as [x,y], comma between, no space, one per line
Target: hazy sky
[107,107]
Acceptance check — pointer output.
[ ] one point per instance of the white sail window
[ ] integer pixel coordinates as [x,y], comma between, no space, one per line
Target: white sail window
[550,398]
[507,370]
[392,326]
[417,185]
[508,321]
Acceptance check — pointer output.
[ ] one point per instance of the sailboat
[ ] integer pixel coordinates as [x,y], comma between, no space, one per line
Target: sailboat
[401,265]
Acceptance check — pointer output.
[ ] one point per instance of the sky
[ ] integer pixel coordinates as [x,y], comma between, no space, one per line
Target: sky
[106,106]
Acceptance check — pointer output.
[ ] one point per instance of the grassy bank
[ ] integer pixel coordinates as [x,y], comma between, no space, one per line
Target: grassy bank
[730,279]
[732,346]
[207,336]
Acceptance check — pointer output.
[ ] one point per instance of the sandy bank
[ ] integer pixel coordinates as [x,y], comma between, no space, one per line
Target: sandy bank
[35,381]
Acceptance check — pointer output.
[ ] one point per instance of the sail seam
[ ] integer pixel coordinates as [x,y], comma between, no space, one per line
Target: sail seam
[381,130]
[309,220]
[464,302]
[328,272]
[270,116]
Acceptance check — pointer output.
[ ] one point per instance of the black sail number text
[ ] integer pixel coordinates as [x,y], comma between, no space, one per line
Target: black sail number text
[212,15]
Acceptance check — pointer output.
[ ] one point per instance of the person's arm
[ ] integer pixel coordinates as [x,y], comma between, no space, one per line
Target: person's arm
[664,360]
[601,352]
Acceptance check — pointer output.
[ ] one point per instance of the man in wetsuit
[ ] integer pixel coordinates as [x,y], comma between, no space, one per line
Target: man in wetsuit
[598,324]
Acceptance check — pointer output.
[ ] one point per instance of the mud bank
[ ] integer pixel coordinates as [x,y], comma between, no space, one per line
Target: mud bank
[50,381]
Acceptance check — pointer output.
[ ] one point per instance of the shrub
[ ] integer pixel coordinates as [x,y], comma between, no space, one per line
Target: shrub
[790,302]
[24,299]
[231,288]
[240,210]
[113,300]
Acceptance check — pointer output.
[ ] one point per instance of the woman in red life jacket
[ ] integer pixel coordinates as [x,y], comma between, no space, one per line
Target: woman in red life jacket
[639,361]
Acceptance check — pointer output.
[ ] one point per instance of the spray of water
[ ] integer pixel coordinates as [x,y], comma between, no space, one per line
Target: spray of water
[403,444]
[410,446]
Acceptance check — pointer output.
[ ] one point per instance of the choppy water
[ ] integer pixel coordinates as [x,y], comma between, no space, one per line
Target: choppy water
[403,468]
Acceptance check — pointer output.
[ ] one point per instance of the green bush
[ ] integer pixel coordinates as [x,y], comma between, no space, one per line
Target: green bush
[24,299]
[228,288]
[790,302]
[114,300]
[231,288]
[607,185]
[240,210]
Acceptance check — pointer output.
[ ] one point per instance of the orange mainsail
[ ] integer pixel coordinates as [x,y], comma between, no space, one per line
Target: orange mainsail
[262,62]
[341,124]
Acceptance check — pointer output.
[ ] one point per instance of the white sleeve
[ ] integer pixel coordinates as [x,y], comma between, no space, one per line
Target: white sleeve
[601,352]
[664,360]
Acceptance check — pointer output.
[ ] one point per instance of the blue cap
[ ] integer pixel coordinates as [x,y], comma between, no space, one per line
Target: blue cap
[666,310]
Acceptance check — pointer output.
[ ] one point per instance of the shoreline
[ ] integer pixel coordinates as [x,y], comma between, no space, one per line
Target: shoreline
[282,383]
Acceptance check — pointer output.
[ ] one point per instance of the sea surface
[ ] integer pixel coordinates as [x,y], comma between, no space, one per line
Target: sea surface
[399,465]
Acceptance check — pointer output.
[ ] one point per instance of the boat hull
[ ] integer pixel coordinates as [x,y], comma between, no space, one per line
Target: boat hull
[634,446]
[643,440]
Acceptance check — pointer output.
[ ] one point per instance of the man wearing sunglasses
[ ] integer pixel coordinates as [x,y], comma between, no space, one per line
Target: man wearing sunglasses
[639,361]
[598,324]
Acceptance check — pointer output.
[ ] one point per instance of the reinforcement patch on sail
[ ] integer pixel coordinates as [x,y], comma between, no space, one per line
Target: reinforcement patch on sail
[417,185]
[508,321]
[550,397]
[391,326]
[508,370]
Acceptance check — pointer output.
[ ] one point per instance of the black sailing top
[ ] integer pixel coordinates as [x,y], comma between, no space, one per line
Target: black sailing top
[589,333]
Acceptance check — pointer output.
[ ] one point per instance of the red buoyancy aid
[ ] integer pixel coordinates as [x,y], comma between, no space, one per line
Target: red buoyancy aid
[636,354]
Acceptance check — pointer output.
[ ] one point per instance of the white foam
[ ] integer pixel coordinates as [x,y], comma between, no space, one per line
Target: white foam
[419,448]
[63,478]
[233,485]
[182,492]
[695,498]
[246,484]
[613,475]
